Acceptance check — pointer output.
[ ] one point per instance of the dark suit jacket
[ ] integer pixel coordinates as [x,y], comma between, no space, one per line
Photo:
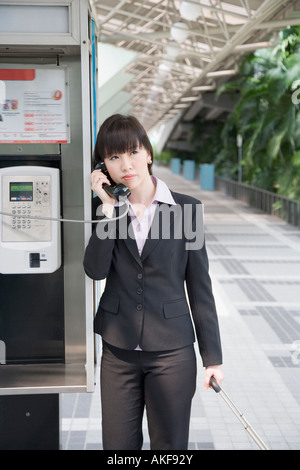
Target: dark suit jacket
[144,302]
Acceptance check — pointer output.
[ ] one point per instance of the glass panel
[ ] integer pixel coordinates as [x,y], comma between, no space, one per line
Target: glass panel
[34,19]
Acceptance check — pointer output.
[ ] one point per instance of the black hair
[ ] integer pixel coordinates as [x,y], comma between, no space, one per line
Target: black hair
[119,134]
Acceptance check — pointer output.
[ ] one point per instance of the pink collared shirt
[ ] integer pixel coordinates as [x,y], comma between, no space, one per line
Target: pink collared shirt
[141,226]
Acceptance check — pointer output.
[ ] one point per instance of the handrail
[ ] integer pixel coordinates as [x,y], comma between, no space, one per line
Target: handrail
[266,201]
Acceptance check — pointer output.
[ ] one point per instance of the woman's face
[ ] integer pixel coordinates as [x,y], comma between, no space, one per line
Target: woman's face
[130,168]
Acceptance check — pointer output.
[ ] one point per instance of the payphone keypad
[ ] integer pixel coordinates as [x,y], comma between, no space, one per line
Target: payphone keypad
[24,198]
[19,220]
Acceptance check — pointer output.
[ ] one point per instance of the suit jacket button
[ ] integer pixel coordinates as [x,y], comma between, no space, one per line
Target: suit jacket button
[139,307]
[140,276]
[139,290]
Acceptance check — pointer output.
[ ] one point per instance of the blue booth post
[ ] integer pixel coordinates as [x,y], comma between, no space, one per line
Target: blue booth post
[176,165]
[189,170]
[207,177]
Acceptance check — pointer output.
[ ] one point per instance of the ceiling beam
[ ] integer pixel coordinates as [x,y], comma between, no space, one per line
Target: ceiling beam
[267,8]
[215,42]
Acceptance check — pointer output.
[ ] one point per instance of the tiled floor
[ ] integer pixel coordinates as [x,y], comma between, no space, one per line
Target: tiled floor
[255,269]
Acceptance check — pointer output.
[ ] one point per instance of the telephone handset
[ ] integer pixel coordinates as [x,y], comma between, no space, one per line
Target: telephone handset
[115,190]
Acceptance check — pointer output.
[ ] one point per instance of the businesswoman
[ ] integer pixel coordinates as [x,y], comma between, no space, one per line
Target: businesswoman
[147,325]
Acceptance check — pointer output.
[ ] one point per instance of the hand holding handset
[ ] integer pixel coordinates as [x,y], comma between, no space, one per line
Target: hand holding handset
[115,190]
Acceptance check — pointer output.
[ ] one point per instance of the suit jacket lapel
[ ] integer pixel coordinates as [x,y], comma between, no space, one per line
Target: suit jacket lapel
[126,233]
[130,242]
[161,227]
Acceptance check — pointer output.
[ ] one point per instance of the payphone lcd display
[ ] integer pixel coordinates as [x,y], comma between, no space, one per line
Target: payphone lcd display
[21,191]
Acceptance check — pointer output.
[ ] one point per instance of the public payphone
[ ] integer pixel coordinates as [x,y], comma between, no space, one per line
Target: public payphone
[48,67]
[30,236]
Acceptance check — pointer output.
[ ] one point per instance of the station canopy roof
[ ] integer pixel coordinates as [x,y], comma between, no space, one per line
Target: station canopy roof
[182,50]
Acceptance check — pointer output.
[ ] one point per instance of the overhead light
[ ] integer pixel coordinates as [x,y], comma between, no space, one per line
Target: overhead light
[172,51]
[190,11]
[157,89]
[179,31]
[164,67]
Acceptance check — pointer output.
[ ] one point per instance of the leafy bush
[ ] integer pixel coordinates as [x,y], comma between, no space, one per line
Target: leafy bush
[267,116]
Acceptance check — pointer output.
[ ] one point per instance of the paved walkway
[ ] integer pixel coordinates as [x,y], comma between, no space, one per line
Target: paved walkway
[255,269]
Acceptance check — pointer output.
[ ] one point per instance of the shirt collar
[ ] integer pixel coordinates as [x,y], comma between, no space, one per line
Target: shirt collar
[162,193]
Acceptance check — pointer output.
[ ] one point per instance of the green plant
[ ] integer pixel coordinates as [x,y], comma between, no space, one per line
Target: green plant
[164,156]
[266,116]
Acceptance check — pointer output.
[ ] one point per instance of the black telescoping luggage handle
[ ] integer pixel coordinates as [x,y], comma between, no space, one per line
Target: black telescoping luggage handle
[257,439]
[214,384]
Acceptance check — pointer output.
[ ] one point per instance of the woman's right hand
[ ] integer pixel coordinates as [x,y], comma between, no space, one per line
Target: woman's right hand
[98,179]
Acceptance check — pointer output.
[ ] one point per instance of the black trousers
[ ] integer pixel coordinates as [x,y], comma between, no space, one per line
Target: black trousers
[162,382]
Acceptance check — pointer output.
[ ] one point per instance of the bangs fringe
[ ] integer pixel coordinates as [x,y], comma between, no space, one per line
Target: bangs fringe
[119,141]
